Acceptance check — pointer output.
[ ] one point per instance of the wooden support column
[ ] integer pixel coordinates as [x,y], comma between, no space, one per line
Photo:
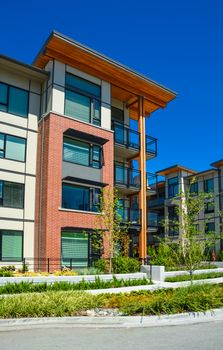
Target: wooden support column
[142,193]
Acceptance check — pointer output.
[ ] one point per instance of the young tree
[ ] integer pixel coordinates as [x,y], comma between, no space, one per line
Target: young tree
[111,229]
[193,243]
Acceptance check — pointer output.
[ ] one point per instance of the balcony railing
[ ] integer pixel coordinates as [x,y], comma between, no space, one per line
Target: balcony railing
[158,202]
[127,177]
[130,215]
[151,145]
[151,181]
[152,219]
[125,136]
[130,138]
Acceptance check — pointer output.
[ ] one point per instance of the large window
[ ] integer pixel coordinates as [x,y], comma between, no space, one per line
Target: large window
[80,197]
[11,245]
[74,249]
[83,153]
[173,221]
[82,100]
[11,195]
[12,147]
[209,185]
[13,100]
[173,187]
[209,207]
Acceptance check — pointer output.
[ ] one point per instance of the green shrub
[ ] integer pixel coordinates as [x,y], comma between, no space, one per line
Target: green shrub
[72,303]
[7,271]
[164,254]
[122,264]
[220,255]
[101,265]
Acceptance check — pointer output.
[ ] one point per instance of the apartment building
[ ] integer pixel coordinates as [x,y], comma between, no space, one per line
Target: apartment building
[178,179]
[20,98]
[89,120]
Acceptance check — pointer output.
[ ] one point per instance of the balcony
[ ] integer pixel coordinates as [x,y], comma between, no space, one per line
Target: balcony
[127,142]
[127,179]
[151,147]
[155,203]
[151,183]
[129,215]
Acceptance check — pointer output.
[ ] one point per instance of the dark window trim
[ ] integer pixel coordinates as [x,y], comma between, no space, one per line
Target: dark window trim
[7,104]
[206,186]
[172,186]
[91,159]
[90,192]
[1,245]
[17,183]
[5,139]
[92,98]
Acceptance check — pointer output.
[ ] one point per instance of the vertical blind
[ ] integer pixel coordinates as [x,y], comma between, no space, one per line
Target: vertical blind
[77,106]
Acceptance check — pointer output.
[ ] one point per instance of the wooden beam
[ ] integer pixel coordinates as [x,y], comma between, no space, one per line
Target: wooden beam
[142,193]
[131,102]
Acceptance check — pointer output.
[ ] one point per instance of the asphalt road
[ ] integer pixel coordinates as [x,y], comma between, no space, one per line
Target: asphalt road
[200,336]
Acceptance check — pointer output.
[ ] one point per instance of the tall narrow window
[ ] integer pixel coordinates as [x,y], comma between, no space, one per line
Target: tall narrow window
[209,185]
[173,187]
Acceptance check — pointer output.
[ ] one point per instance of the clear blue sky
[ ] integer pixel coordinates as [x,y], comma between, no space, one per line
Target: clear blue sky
[176,43]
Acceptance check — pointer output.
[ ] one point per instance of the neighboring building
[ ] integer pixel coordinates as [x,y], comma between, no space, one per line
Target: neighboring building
[178,179]
[90,115]
[20,100]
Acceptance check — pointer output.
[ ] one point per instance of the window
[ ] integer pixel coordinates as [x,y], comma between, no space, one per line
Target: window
[173,221]
[194,188]
[209,207]
[173,187]
[11,245]
[74,245]
[11,195]
[12,147]
[13,100]
[82,153]
[209,185]
[210,227]
[117,115]
[80,197]
[82,100]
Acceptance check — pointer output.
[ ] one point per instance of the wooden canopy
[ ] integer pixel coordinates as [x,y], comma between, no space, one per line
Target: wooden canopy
[127,85]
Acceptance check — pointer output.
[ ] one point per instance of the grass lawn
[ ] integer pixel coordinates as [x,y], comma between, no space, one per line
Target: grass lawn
[73,303]
[200,276]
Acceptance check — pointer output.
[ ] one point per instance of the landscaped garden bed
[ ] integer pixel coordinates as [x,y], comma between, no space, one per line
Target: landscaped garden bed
[200,276]
[98,283]
[73,303]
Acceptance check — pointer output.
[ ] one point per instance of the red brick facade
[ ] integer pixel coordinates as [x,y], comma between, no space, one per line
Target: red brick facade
[49,218]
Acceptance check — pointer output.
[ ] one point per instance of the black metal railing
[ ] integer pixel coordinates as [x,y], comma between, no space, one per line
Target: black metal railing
[126,136]
[127,176]
[151,145]
[156,202]
[132,216]
[151,181]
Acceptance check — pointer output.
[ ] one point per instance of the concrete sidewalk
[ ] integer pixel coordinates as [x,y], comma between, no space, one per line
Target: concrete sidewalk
[112,322]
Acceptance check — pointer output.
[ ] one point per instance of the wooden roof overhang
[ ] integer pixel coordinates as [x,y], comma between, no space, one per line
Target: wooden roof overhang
[127,85]
[174,169]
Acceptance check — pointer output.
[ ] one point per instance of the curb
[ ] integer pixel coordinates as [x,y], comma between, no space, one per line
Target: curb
[112,322]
